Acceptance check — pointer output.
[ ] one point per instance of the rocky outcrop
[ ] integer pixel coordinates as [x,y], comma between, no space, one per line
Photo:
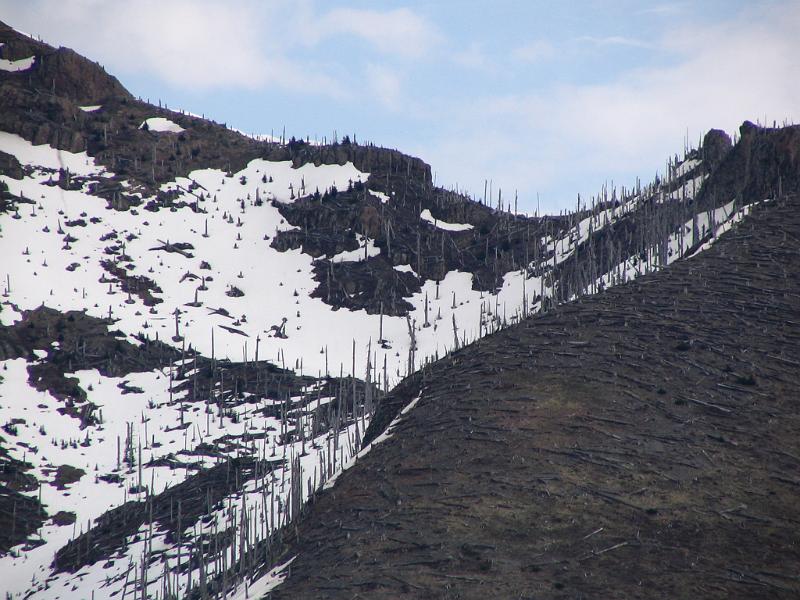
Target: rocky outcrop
[9,166]
[763,164]
[716,144]
[366,158]
[59,72]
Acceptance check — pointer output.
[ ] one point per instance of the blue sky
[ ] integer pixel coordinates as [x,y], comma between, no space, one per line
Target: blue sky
[547,98]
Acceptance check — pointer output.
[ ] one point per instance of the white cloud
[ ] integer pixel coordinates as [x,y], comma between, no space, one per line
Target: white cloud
[723,74]
[473,56]
[185,43]
[202,44]
[666,10]
[571,133]
[190,45]
[399,32]
[385,85]
[534,52]
[616,40]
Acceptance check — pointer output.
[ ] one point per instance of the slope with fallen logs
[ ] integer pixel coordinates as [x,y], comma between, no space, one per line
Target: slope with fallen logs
[166,240]
[643,442]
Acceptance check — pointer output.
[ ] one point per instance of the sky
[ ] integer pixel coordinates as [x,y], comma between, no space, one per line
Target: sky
[546,99]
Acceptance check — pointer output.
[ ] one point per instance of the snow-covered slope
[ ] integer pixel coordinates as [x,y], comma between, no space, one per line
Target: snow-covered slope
[220,286]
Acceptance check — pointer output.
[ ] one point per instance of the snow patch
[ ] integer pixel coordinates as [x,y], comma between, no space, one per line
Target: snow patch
[48,157]
[265,584]
[686,166]
[161,125]
[381,196]
[9,314]
[366,249]
[406,269]
[14,66]
[426,215]
[689,189]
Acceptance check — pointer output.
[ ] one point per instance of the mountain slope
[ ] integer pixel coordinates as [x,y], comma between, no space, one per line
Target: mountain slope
[639,443]
[197,327]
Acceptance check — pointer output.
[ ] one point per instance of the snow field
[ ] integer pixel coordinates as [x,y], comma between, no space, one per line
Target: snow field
[48,439]
[229,237]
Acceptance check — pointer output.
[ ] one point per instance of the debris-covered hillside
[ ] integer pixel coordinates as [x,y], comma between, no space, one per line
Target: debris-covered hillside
[639,443]
[197,326]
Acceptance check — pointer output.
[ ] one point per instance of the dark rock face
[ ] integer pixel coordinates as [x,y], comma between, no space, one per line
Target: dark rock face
[60,72]
[763,164]
[47,120]
[75,77]
[20,514]
[9,166]
[716,144]
[373,285]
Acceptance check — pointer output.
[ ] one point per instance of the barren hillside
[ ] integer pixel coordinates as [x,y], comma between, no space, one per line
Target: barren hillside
[641,443]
